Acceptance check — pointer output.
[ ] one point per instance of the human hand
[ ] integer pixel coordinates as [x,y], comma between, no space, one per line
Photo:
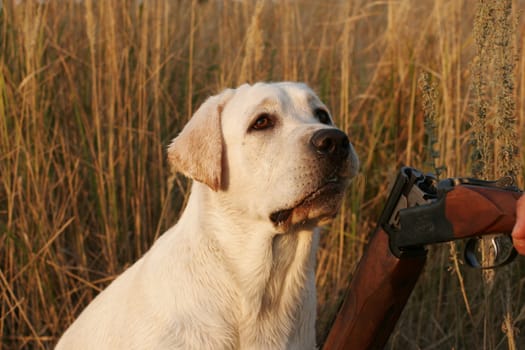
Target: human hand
[518,233]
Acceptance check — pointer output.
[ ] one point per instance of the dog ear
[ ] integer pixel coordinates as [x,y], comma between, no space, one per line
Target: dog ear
[197,151]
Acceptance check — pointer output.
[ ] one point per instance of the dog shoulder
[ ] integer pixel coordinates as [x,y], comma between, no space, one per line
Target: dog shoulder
[159,299]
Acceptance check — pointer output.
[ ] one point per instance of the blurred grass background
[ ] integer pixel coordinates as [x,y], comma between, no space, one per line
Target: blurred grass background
[91,92]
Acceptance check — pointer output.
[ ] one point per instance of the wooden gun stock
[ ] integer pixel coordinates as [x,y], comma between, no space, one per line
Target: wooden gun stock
[465,211]
[378,293]
[474,210]
[383,282]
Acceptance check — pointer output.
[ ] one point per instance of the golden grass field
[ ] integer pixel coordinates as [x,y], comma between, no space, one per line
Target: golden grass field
[91,92]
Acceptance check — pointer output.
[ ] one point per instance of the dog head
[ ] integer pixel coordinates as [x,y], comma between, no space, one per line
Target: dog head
[269,151]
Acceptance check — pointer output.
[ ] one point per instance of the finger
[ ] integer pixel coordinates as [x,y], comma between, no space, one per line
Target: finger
[518,233]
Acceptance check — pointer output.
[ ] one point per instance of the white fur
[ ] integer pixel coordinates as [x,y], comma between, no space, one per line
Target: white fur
[225,276]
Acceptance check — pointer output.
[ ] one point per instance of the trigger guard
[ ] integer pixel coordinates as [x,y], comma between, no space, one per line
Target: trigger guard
[470,254]
[472,260]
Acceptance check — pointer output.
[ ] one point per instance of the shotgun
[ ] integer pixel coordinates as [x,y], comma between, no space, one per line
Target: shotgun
[419,211]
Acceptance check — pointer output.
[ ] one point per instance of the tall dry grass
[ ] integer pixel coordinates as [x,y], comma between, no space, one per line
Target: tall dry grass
[91,93]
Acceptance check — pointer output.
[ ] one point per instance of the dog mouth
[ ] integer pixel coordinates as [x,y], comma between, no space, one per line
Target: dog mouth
[327,195]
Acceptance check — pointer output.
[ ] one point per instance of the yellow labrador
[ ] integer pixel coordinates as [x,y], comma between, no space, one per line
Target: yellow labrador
[237,270]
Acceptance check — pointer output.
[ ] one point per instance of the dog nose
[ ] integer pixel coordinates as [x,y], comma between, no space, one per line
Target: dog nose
[332,143]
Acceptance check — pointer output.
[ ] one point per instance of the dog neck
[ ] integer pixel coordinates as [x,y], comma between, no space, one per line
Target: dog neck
[274,272]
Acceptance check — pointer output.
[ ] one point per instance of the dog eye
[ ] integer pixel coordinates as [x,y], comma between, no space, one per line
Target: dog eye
[263,121]
[323,116]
